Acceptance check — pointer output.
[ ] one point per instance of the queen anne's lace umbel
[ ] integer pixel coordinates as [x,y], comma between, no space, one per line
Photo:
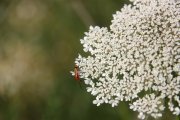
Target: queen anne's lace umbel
[140,54]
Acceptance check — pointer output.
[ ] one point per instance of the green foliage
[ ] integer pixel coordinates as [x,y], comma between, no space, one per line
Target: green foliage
[53,28]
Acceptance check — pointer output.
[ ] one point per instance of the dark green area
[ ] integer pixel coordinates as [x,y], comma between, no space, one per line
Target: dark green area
[55,27]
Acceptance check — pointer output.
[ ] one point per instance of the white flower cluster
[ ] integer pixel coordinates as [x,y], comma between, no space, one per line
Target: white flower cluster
[140,54]
[150,105]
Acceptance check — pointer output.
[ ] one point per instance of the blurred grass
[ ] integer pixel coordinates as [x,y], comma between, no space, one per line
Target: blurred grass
[52,29]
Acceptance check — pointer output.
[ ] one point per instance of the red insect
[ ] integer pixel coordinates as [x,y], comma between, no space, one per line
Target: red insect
[76,73]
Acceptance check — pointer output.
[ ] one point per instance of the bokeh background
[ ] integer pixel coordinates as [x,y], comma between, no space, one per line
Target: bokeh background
[39,41]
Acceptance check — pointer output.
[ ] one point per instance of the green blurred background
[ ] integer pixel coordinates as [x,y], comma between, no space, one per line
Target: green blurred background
[39,41]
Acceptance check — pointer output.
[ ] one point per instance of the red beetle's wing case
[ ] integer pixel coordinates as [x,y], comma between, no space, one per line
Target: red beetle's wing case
[76,73]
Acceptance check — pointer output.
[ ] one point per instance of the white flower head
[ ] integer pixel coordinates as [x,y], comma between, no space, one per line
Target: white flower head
[150,105]
[139,54]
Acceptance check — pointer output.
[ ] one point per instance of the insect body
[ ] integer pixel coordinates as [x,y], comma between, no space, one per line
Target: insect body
[76,73]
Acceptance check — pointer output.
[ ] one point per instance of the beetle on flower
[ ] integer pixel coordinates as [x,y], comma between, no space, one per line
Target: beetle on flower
[139,54]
